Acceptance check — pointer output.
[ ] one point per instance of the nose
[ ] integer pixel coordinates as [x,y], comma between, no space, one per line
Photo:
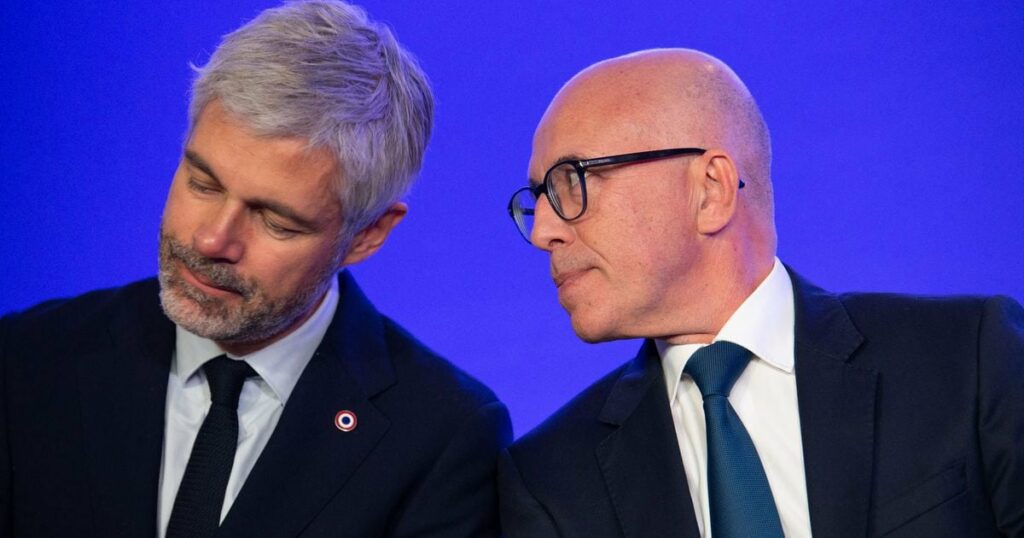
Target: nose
[219,236]
[549,230]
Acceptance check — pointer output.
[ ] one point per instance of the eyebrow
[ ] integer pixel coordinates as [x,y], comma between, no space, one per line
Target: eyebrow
[568,157]
[195,160]
[285,211]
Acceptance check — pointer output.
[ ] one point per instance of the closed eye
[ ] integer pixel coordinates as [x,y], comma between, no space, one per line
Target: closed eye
[200,187]
[277,230]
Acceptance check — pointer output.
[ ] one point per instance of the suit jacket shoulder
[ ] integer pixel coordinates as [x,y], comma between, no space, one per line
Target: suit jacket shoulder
[550,477]
[81,323]
[950,419]
[573,426]
[83,381]
[412,359]
[602,464]
[908,414]
[897,318]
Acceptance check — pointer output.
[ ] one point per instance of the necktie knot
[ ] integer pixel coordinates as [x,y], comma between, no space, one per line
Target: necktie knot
[715,368]
[226,377]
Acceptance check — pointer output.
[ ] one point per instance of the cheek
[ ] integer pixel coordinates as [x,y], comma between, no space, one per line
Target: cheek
[651,253]
[287,267]
[181,208]
[176,213]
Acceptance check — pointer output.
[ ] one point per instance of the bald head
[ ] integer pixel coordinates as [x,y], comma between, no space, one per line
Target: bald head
[667,247]
[671,98]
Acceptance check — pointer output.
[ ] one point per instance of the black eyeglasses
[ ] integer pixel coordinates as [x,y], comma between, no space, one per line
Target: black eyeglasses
[565,186]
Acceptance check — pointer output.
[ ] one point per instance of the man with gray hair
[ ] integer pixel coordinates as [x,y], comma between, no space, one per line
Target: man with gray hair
[759,404]
[252,390]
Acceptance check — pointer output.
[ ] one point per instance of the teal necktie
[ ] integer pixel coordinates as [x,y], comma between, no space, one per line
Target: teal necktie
[738,492]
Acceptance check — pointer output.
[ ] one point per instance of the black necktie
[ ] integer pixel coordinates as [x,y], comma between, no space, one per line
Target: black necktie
[741,499]
[197,507]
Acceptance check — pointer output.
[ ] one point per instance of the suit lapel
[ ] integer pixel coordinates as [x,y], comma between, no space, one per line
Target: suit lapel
[837,414]
[640,459]
[307,459]
[123,398]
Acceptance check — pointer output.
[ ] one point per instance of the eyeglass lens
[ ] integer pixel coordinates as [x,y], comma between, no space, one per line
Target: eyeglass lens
[566,190]
[523,205]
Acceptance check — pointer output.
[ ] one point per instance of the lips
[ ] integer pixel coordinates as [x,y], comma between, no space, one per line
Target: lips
[205,283]
[562,279]
[565,277]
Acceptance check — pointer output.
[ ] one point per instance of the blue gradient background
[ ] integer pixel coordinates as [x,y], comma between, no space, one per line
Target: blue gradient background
[898,132]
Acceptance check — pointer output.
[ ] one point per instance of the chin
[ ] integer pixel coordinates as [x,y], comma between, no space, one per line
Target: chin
[590,332]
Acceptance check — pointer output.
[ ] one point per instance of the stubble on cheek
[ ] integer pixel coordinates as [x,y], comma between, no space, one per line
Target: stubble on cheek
[251,316]
[191,308]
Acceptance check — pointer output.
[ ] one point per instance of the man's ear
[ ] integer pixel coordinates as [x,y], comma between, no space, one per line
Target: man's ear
[370,239]
[718,192]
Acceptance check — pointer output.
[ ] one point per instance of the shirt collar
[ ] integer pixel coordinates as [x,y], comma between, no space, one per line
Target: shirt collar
[763,324]
[279,365]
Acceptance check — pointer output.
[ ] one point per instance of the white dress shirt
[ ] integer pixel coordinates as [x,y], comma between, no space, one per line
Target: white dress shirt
[279,366]
[764,397]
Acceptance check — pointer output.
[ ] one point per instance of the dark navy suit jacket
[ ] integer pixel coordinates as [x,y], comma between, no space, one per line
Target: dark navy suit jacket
[911,416]
[82,393]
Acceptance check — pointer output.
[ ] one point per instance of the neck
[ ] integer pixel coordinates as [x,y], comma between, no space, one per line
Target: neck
[727,291]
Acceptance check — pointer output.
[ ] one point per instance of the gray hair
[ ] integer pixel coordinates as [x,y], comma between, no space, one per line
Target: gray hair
[323,71]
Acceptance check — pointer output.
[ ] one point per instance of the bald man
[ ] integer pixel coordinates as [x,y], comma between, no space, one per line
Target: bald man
[837,415]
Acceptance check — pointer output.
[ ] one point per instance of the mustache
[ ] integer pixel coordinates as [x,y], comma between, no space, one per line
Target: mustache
[220,274]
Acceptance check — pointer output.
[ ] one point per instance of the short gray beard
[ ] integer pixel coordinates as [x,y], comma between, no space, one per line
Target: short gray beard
[257,319]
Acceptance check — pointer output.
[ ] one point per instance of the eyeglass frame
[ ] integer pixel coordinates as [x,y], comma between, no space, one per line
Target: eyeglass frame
[581,166]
